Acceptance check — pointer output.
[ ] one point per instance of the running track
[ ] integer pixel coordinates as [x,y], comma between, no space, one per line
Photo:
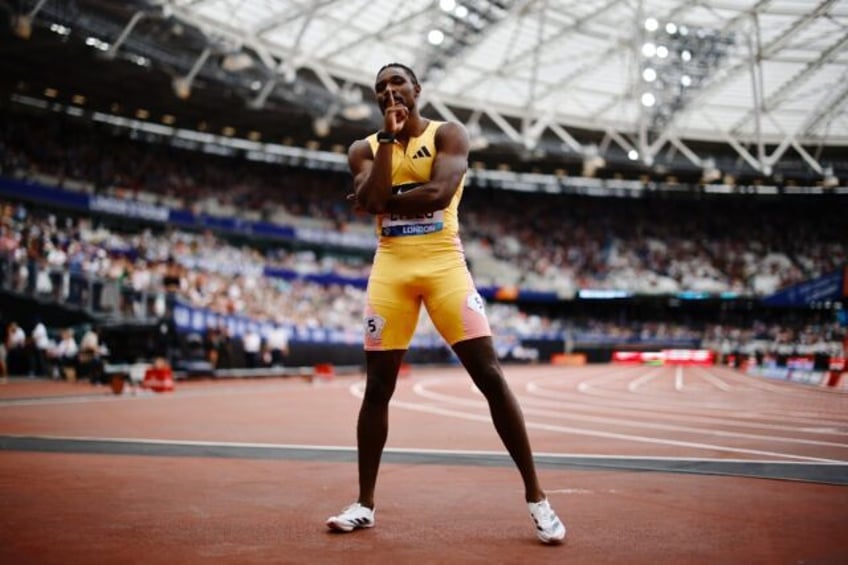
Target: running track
[645,464]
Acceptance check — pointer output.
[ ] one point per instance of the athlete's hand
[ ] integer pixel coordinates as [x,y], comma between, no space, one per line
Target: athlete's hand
[357,207]
[395,116]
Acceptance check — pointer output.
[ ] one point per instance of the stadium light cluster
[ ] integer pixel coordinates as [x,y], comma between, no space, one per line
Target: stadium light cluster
[459,25]
[676,61]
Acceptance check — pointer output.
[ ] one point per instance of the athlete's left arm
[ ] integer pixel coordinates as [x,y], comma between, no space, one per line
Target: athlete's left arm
[450,163]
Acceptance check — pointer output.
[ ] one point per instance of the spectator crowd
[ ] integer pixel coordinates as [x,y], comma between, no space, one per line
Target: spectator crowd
[531,241]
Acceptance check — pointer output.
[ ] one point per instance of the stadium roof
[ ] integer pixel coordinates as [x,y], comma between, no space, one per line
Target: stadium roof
[767,78]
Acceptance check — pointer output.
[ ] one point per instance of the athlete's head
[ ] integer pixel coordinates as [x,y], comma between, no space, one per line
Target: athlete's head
[401,81]
[406,69]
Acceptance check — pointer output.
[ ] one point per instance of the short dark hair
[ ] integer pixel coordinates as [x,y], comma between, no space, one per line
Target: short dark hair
[406,69]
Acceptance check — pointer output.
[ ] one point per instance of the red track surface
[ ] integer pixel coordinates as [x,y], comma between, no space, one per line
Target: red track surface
[210,473]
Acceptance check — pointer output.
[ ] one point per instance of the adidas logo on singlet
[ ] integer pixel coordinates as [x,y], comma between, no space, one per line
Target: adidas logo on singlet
[421,153]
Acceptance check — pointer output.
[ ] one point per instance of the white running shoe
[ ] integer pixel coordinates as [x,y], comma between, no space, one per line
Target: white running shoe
[353,517]
[549,527]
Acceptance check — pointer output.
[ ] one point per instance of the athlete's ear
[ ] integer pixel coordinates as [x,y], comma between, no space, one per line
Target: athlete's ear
[417,89]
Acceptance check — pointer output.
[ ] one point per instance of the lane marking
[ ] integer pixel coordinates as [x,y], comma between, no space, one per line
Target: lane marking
[358,391]
[636,383]
[408,451]
[714,380]
[661,410]
[421,390]
[180,393]
[809,472]
[588,384]
[811,417]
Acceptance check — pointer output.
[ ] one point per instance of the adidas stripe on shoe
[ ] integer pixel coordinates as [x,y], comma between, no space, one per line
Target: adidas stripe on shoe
[351,518]
[549,528]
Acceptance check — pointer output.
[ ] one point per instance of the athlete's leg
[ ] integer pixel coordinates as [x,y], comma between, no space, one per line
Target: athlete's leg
[391,313]
[372,427]
[480,360]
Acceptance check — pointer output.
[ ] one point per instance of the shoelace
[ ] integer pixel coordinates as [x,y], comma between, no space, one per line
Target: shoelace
[356,507]
[545,513]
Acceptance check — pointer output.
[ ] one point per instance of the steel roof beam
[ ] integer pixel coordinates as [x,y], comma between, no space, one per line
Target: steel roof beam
[577,23]
[794,82]
[379,34]
[831,107]
[307,9]
[766,52]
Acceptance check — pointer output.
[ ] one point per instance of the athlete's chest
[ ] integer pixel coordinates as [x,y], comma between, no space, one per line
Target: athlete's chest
[413,162]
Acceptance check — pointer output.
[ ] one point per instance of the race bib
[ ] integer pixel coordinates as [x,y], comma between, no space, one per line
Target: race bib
[393,225]
[374,327]
[475,302]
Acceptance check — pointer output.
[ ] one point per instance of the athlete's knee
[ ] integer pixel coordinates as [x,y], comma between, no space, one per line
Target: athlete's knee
[489,379]
[378,390]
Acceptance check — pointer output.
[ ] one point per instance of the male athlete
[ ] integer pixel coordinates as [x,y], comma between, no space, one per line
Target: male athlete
[410,175]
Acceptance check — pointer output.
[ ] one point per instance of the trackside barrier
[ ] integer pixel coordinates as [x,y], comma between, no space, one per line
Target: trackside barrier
[323,372]
[703,357]
[803,369]
[116,381]
[568,359]
[836,373]
[159,379]
[405,370]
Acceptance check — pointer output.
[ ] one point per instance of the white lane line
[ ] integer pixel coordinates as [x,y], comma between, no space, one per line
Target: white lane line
[784,388]
[694,402]
[179,393]
[589,394]
[674,407]
[189,442]
[9,402]
[740,404]
[636,383]
[678,379]
[568,401]
[412,450]
[599,392]
[359,389]
[421,390]
[614,374]
[714,380]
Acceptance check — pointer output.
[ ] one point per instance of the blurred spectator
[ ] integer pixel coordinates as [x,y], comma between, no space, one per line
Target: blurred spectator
[17,361]
[90,359]
[559,244]
[278,346]
[4,375]
[41,346]
[64,355]
[252,348]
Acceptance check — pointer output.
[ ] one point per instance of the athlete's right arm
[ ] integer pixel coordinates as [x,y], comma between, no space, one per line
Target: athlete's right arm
[372,175]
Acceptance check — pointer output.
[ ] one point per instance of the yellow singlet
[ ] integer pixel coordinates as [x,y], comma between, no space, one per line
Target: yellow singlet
[420,259]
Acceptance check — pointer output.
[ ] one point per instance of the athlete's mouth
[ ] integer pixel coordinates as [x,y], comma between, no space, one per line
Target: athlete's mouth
[394,99]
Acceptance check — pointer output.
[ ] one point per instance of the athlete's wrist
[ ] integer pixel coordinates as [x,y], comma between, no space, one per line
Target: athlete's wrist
[385,137]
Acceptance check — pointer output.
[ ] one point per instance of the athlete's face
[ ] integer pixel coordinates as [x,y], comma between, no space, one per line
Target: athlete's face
[395,86]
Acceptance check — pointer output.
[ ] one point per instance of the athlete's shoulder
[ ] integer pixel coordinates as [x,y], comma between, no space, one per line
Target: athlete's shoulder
[362,144]
[447,125]
[360,151]
[451,132]
[450,128]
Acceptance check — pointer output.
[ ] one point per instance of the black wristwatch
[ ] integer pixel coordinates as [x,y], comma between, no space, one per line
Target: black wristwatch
[385,137]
